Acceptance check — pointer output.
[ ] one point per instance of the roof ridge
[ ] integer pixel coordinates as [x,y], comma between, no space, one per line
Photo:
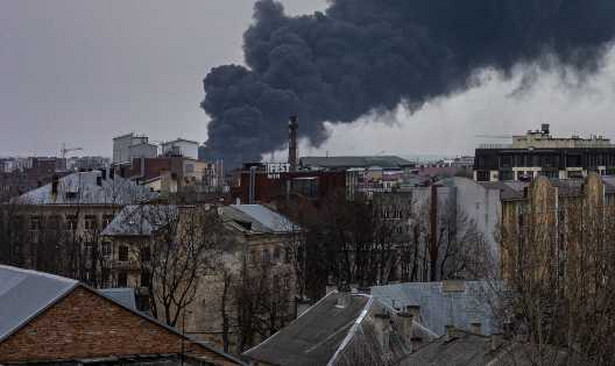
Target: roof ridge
[38,273]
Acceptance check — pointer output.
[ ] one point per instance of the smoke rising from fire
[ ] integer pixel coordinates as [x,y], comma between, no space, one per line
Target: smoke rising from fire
[361,56]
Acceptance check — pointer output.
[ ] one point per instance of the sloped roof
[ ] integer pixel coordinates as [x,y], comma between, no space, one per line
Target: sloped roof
[24,294]
[314,337]
[82,188]
[124,296]
[470,301]
[460,349]
[467,349]
[140,220]
[330,334]
[261,218]
[334,162]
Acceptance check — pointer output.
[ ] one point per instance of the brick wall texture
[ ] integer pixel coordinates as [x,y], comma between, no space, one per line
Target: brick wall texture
[86,325]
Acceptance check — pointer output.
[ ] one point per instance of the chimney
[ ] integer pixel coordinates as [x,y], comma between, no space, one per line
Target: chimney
[343,296]
[293,126]
[407,317]
[449,332]
[545,128]
[496,341]
[475,328]
[54,184]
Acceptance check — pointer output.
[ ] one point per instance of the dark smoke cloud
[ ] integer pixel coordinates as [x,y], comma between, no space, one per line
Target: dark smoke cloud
[371,55]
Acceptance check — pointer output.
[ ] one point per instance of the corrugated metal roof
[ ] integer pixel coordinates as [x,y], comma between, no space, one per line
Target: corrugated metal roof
[262,218]
[124,296]
[82,188]
[354,162]
[330,334]
[24,294]
[314,337]
[440,308]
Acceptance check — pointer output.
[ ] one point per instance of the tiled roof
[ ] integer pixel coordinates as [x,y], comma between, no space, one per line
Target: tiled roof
[83,188]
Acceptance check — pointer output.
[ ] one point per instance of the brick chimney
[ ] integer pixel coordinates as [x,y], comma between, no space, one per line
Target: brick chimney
[475,327]
[54,184]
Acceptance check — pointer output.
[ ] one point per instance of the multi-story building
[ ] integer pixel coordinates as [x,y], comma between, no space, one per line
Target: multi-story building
[86,163]
[553,216]
[181,147]
[21,175]
[57,227]
[255,256]
[130,146]
[539,153]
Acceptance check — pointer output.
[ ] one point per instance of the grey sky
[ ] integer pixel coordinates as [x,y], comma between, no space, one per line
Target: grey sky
[81,72]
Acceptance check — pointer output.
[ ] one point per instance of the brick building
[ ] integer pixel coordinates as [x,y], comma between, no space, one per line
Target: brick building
[51,319]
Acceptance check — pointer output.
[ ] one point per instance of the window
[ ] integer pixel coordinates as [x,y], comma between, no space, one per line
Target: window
[287,255]
[507,161]
[145,254]
[71,222]
[482,176]
[276,253]
[35,223]
[145,279]
[107,219]
[506,175]
[123,253]
[122,279]
[91,222]
[106,248]
[265,256]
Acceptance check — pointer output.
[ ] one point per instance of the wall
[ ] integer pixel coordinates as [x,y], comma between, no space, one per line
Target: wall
[86,325]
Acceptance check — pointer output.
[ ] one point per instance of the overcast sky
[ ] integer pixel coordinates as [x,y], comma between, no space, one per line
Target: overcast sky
[81,72]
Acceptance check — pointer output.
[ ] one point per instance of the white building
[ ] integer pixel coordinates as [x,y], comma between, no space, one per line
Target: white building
[130,146]
[181,147]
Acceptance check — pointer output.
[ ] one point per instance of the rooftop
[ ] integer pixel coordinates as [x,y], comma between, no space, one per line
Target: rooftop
[260,218]
[25,293]
[340,329]
[339,162]
[84,188]
[457,303]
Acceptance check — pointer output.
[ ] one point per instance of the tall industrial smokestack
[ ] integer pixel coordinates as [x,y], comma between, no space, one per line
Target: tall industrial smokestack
[293,126]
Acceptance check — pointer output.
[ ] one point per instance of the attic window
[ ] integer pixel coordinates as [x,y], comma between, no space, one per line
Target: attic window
[245,224]
[71,195]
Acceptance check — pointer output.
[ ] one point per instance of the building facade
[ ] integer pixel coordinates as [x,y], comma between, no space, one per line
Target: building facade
[539,153]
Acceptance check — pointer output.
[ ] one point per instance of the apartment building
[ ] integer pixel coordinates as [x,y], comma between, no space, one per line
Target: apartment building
[540,153]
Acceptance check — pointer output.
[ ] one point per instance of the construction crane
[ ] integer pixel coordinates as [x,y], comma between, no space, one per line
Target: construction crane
[66,150]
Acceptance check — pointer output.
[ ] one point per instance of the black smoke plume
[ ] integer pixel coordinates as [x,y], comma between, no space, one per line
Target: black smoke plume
[371,55]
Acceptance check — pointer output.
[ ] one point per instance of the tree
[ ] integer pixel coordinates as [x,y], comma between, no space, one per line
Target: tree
[180,252]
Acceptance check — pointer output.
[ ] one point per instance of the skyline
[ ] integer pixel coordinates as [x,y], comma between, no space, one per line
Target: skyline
[81,74]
